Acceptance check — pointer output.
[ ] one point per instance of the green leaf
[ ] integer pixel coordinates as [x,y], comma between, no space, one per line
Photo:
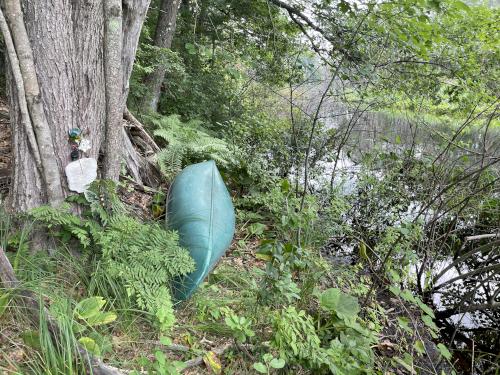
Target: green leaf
[277,363]
[285,186]
[426,309]
[460,5]
[344,305]
[419,347]
[444,351]
[344,7]
[260,367]
[101,319]
[165,341]
[267,357]
[408,365]
[190,48]
[429,322]
[89,307]
[256,228]
[408,296]
[265,257]
[90,345]
[395,290]
[404,323]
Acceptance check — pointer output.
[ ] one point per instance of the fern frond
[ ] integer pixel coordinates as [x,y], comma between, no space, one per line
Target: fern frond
[186,142]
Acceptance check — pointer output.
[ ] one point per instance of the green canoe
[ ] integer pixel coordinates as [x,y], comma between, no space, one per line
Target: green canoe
[199,207]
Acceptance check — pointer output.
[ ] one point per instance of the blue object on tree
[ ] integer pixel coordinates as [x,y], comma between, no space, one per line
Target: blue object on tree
[199,207]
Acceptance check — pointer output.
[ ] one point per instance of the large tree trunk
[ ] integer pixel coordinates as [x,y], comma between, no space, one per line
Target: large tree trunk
[165,30]
[67,39]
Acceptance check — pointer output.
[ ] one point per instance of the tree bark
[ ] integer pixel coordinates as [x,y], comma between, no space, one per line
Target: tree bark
[66,40]
[114,88]
[18,79]
[165,30]
[40,125]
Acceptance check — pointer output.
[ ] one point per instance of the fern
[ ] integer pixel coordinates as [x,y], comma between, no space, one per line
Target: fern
[186,142]
[170,161]
[141,259]
[61,223]
[145,259]
[103,200]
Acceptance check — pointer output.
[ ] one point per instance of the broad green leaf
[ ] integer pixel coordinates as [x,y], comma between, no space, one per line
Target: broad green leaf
[262,256]
[277,363]
[190,48]
[77,327]
[267,357]
[285,186]
[256,228]
[260,367]
[89,307]
[408,365]
[404,323]
[426,309]
[407,296]
[101,319]
[461,5]
[160,358]
[344,305]
[32,339]
[90,345]
[395,290]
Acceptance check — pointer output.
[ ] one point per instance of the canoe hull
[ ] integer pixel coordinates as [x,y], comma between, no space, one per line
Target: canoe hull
[199,207]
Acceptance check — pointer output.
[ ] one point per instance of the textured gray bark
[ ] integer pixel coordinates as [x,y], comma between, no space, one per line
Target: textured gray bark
[19,84]
[165,30]
[20,38]
[67,42]
[114,88]
[134,13]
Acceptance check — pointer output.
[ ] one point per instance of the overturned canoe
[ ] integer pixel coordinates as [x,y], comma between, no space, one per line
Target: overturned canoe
[199,207]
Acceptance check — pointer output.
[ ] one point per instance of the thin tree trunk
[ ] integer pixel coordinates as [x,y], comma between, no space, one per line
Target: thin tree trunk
[18,79]
[114,88]
[165,30]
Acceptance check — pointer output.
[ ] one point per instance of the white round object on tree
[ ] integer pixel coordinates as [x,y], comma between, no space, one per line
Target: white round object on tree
[80,173]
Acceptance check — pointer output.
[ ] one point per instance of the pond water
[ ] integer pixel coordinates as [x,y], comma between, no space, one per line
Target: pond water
[391,134]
